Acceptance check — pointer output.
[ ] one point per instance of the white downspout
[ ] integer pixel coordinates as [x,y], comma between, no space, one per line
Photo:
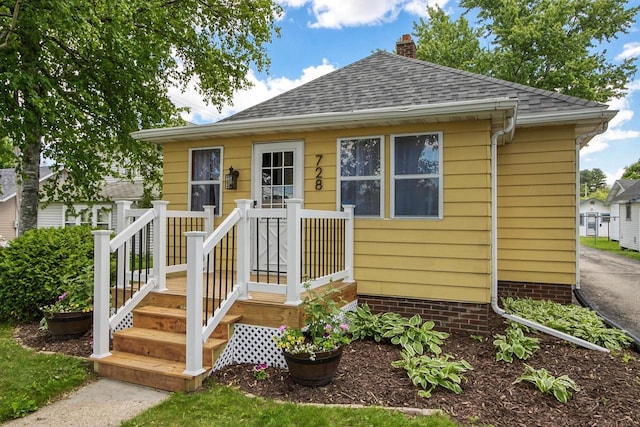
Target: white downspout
[494,252]
[579,141]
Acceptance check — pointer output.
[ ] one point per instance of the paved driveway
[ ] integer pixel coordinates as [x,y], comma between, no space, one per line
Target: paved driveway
[611,285]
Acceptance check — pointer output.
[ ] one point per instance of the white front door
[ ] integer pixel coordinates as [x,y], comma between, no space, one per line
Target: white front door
[278,175]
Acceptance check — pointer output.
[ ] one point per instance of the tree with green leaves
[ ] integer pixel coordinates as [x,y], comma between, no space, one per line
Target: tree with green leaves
[632,171]
[593,181]
[558,45]
[6,153]
[79,76]
[451,43]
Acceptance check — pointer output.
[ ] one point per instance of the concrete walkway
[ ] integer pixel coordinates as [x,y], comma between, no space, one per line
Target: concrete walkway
[611,285]
[99,404]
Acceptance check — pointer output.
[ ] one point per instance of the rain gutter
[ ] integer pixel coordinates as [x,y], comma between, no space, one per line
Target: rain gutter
[494,252]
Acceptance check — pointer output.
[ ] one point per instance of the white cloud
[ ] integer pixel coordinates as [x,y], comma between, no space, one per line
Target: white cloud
[629,50]
[354,13]
[612,177]
[615,133]
[259,92]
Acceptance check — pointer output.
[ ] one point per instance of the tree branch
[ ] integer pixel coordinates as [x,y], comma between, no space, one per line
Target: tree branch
[14,22]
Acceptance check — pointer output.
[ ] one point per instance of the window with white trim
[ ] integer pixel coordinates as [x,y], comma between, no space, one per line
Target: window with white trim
[416,175]
[360,174]
[205,178]
[98,216]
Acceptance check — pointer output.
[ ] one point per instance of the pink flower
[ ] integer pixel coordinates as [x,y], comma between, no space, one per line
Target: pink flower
[344,327]
[63,296]
[327,327]
[282,328]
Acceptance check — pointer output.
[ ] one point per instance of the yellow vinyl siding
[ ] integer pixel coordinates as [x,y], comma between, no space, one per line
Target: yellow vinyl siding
[446,259]
[536,206]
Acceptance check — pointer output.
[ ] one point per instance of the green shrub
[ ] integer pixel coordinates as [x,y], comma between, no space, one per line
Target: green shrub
[34,266]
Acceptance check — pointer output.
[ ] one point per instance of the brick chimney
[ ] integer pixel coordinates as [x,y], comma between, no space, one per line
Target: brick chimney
[406,47]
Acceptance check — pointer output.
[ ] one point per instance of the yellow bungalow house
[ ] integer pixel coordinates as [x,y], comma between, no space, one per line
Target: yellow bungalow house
[412,145]
[464,187]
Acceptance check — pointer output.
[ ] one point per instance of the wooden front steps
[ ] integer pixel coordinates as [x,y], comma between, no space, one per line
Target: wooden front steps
[153,352]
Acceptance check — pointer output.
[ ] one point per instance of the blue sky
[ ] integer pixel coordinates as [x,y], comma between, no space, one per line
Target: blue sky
[319,36]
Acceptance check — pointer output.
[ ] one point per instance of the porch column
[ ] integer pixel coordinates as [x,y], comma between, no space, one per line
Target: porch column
[209,224]
[123,256]
[195,240]
[294,251]
[348,243]
[101,252]
[244,247]
[160,244]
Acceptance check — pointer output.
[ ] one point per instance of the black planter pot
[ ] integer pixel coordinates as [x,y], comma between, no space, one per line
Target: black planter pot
[69,325]
[313,373]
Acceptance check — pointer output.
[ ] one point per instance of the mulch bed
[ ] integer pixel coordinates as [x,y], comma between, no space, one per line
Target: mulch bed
[609,384]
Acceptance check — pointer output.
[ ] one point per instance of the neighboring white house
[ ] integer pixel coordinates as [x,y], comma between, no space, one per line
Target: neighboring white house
[617,188]
[595,218]
[102,213]
[628,202]
[9,203]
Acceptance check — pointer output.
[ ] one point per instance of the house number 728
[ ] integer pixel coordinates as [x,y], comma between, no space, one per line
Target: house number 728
[318,173]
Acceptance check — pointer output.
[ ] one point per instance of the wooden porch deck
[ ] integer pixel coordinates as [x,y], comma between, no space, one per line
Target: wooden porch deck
[266,309]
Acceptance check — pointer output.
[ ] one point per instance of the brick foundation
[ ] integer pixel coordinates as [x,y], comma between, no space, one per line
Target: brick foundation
[447,315]
[559,293]
[460,316]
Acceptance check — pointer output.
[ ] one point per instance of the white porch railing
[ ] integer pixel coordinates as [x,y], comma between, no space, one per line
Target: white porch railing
[265,250]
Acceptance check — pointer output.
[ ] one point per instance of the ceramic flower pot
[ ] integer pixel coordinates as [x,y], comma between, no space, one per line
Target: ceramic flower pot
[313,372]
[69,325]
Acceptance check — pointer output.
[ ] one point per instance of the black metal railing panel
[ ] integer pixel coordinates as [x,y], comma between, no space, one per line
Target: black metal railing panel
[220,273]
[176,241]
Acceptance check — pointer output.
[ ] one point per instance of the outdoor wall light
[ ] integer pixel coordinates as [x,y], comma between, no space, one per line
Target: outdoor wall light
[231,179]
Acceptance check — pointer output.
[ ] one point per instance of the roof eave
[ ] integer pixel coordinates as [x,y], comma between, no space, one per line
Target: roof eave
[13,194]
[497,109]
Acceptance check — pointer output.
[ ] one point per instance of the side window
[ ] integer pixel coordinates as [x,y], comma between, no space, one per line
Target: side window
[102,218]
[581,219]
[205,178]
[416,175]
[628,211]
[360,175]
[95,217]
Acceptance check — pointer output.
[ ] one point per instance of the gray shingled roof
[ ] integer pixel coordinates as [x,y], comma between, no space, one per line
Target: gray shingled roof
[389,80]
[9,185]
[631,193]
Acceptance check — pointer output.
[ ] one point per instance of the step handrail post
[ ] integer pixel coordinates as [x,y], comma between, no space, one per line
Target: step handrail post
[123,257]
[195,263]
[349,236]
[101,288]
[294,251]
[244,247]
[160,244]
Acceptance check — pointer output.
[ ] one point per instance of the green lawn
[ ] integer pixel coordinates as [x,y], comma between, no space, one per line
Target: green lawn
[223,406]
[604,244]
[29,379]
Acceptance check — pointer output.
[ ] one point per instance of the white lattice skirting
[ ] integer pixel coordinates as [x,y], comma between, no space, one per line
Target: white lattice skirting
[254,344]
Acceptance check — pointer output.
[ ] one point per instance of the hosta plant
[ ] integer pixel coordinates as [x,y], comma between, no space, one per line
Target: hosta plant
[514,343]
[414,335]
[580,322]
[430,372]
[561,387]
